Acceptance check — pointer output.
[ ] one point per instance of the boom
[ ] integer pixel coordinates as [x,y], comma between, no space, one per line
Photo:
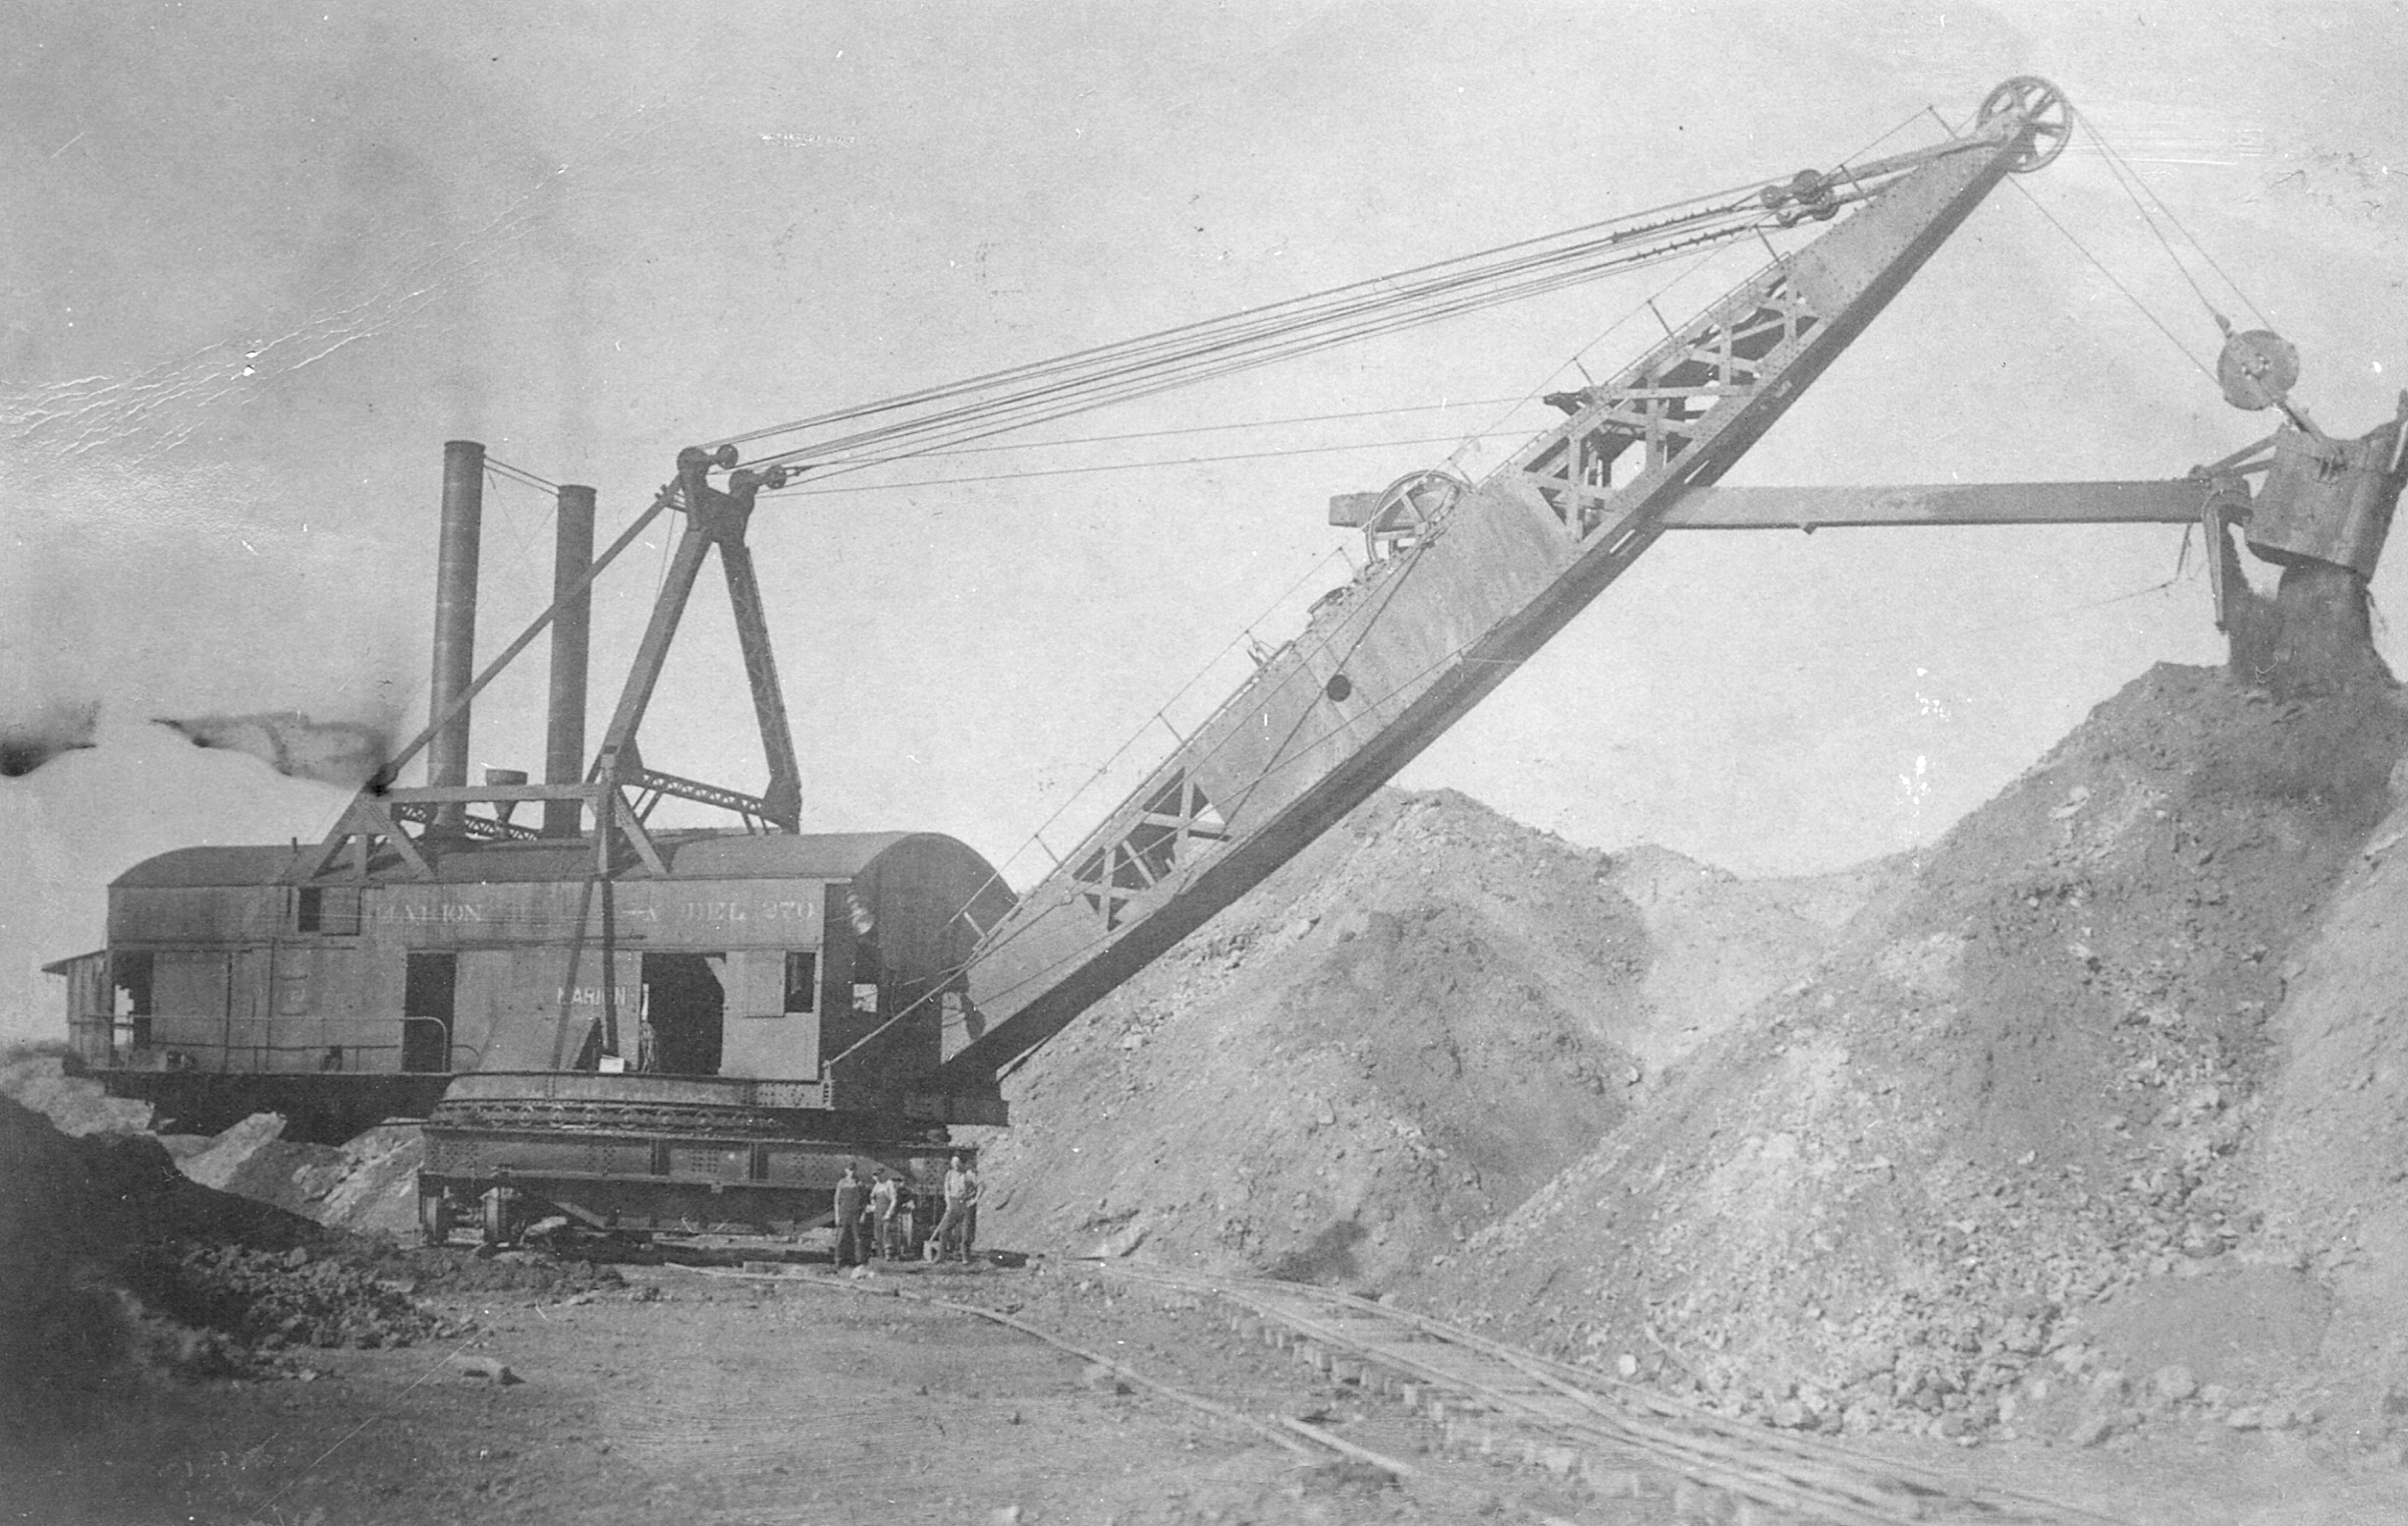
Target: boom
[1476,587]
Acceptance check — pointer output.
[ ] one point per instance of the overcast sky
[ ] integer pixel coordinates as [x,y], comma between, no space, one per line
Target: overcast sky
[263,260]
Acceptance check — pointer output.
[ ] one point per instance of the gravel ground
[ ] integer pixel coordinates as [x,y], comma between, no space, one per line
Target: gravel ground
[728,1400]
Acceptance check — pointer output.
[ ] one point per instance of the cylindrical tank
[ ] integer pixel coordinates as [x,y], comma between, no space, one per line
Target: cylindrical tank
[455,660]
[564,752]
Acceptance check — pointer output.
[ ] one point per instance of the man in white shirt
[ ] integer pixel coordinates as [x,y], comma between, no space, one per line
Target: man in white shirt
[882,1199]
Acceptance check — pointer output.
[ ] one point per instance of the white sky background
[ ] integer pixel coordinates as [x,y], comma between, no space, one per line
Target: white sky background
[263,260]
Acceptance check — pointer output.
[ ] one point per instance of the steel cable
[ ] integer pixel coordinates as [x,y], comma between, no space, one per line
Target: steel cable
[1277,310]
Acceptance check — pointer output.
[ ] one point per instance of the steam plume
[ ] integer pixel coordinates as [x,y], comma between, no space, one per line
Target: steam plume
[338,753]
[41,734]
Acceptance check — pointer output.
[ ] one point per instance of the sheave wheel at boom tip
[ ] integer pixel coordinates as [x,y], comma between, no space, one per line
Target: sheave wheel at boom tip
[2044,105]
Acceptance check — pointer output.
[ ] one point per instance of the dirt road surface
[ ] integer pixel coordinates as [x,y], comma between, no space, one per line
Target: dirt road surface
[699,1398]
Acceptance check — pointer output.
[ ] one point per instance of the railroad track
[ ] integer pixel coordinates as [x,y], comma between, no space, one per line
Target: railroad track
[1488,1399]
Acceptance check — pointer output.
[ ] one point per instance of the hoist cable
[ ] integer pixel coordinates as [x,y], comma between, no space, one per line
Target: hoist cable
[1454,457]
[1034,411]
[1141,373]
[2114,155]
[1258,423]
[2126,181]
[951,431]
[2143,307]
[1111,373]
[1035,405]
[1009,374]
[824,489]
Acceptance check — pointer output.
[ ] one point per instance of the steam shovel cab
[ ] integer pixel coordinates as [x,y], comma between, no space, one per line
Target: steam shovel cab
[710,1046]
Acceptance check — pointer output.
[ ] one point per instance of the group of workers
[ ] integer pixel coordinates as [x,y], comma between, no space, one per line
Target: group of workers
[882,1222]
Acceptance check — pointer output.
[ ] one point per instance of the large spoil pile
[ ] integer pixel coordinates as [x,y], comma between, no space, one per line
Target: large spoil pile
[367,1184]
[114,1265]
[1999,1164]
[1389,1044]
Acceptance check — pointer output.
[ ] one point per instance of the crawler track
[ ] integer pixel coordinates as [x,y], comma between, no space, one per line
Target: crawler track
[1622,1440]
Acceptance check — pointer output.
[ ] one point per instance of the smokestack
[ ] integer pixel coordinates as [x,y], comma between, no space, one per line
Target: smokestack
[463,511]
[564,750]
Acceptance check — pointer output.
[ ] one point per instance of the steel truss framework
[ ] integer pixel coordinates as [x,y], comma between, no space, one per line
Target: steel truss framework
[1663,403]
[1425,633]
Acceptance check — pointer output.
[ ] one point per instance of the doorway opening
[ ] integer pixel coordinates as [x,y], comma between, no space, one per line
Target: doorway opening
[685,1013]
[427,987]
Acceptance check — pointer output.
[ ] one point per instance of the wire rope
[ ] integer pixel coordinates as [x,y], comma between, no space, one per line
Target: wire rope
[1286,306]
[1209,349]
[2141,307]
[1258,423]
[1039,405]
[2126,181]
[2117,156]
[520,475]
[1130,465]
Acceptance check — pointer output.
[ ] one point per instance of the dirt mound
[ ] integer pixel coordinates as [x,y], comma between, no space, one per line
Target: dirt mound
[1717,944]
[37,1076]
[371,1186]
[1901,1192]
[116,1268]
[2333,1175]
[367,1184]
[75,1216]
[230,1153]
[1386,1045]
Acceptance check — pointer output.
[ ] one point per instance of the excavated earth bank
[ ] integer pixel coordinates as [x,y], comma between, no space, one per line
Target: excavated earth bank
[1389,1044]
[122,1277]
[2042,1148]
[2020,1138]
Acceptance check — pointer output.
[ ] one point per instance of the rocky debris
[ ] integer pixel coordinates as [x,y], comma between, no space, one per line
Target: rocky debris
[225,1157]
[430,1271]
[367,1184]
[114,1259]
[2331,1175]
[1928,1185]
[1386,1045]
[74,1212]
[371,1186]
[93,1199]
[277,1299]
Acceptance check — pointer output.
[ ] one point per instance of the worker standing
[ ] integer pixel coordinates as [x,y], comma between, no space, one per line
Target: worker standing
[970,1187]
[849,1247]
[957,1207]
[882,1199]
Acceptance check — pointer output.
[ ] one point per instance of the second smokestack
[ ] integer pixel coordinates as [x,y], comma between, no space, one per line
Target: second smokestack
[563,751]
[455,664]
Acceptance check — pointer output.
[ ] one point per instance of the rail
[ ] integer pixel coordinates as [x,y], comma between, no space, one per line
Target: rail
[1492,1399]
[97,1043]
